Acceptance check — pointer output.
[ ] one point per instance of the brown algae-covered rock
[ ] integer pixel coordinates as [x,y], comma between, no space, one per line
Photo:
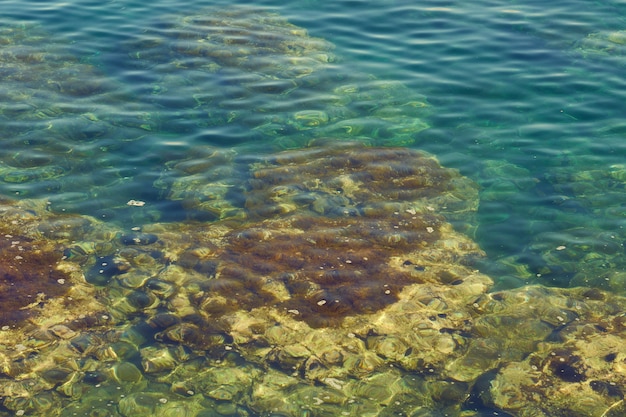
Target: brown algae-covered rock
[341,230]
[342,288]
[46,305]
[345,265]
[37,282]
[295,291]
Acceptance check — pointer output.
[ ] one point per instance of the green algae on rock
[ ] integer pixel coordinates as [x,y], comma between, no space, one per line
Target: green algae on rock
[577,238]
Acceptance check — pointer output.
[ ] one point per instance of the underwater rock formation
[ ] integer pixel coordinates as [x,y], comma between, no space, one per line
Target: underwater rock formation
[250,39]
[333,220]
[608,43]
[37,75]
[346,291]
[226,65]
[37,282]
[255,75]
[207,185]
[340,248]
[324,221]
[322,281]
[45,304]
[572,356]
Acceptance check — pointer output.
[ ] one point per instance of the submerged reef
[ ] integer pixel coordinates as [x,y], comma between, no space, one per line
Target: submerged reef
[28,275]
[237,75]
[207,184]
[45,303]
[38,75]
[575,357]
[223,66]
[246,38]
[246,74]
[339,288]
[334,219]
[593,254]
[607,43]
[37,283]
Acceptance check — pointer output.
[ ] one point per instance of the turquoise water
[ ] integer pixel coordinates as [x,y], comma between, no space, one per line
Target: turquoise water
[524,84]
[525,98]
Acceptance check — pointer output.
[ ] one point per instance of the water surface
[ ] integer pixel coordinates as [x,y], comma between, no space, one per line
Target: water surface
[527,99]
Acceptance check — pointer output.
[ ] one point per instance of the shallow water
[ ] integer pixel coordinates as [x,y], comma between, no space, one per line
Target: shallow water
[527,99]
[522,84]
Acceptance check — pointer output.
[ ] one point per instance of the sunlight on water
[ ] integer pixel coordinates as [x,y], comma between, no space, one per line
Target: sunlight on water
[312,209]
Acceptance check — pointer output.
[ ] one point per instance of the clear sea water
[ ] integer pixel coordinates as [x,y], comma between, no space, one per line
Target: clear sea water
[523,95]
[526,97]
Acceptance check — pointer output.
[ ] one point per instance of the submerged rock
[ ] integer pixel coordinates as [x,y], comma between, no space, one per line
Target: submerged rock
[56,115]
[340,287]
[240,37]
[247,71]
[224,65]
[345,265]
[207,185]
[322,281]
[578,369]
[46,305]
[37,282]
[347,227]
[577,238]
[603,43]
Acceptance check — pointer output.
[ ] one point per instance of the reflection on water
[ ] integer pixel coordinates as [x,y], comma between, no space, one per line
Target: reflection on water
[205,273]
